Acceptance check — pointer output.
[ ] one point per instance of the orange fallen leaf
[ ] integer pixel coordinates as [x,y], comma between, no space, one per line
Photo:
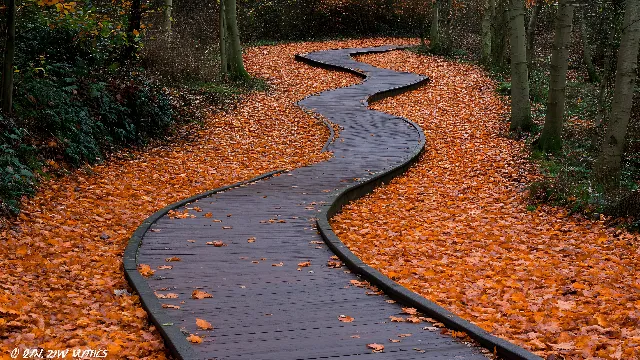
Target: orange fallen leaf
[203,324]
[376,348]
[410,311]
[216,243]
[173,258]
[145,270]
[345,318]
[194,339]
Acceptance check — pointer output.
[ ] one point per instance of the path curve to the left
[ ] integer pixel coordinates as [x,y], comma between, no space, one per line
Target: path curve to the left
[273,295]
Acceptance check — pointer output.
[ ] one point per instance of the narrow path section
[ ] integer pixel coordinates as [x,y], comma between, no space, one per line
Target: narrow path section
[274,295]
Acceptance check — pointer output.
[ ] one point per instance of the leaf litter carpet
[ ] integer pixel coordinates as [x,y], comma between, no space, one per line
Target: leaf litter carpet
[60,261]
[456,230]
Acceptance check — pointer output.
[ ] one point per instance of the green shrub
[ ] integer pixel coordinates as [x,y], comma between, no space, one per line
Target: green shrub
[17,164]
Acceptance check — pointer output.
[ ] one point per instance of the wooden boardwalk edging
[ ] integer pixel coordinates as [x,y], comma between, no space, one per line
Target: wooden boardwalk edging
[263,309]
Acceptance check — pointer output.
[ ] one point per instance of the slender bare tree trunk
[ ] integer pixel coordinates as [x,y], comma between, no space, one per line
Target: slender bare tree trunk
[224,67]
[236,66]
[609,163]
[489,9]
[135,20]
[586,50]
[434,36]
[603,89]
[166,21]
[531,33]
[500,36]
[520,106]
[551,137]
[9,52]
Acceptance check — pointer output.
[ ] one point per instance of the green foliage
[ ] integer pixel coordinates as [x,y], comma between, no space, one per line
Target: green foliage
[504,88]
[538,85]
[17,165]
[73,103]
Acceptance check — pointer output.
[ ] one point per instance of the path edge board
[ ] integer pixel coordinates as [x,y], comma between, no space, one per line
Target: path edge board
[501,347]
[174,339]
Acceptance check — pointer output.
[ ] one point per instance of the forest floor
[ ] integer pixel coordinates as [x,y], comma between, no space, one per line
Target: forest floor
[61,259]
[457,229]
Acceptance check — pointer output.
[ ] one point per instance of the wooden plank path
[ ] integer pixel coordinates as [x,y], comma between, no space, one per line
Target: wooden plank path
[264,306]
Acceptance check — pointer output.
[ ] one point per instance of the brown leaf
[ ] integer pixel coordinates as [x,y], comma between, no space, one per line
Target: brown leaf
[376,348]
[199,294]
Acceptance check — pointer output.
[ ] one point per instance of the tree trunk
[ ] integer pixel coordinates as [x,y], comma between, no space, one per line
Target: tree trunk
[434,35]
[520,106]
[135,20]
[166,21]
[489,9]
[586,50]
[551,137]
[603,88]
[236,66]
[500,33]
[609,163]
[9,51]
[531,33]
[224,67]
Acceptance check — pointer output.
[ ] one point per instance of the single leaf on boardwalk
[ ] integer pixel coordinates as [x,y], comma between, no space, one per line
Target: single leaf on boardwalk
[194,339]
[199,294]
[203,324]
[145,270]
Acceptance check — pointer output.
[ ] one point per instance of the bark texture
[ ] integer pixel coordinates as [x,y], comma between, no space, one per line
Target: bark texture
[166,20]
[224,67]
[609,162]
[434,35]
[531,33]
[487,19]
[551,137]
[520,106]
[236,66]
[586,49]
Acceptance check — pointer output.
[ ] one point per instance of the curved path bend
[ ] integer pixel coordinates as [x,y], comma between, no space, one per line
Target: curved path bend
[262,311]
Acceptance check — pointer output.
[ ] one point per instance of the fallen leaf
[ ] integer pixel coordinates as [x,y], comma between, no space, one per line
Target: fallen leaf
[203,324]
[345,318]
[194,339]
[145,270]
[199,294]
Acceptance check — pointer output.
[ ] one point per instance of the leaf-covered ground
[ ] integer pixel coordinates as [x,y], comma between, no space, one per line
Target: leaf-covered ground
[456,228]
[60,261]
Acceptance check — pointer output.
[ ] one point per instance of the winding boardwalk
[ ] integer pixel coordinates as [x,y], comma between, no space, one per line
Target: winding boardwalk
[262,311]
